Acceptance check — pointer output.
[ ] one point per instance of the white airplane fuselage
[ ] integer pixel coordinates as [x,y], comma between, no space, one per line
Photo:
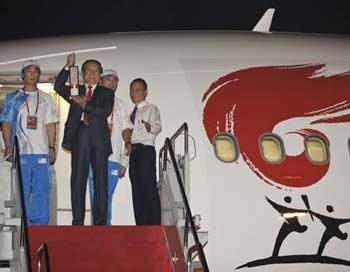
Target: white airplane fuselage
[247,85]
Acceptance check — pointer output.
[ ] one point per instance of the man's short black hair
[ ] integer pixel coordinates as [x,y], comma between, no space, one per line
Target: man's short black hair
[94,61]
[139,80]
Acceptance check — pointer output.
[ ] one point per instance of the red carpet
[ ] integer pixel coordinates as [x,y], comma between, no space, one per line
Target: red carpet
[116,248]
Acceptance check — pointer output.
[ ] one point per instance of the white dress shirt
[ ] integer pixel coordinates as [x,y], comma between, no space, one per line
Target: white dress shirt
[120,122]
[146,113]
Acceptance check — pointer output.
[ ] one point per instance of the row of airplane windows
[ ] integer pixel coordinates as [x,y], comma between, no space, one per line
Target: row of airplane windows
[271,146]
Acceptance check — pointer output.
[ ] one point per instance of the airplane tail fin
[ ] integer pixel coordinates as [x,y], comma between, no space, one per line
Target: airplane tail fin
[265,22]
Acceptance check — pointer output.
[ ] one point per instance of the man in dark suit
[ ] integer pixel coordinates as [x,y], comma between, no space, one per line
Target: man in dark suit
[86,135]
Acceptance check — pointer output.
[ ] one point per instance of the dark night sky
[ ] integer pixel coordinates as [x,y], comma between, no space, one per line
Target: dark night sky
[23,19]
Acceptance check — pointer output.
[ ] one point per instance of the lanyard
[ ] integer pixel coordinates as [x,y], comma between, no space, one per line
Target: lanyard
[37,103]
[112,115]
[110,124]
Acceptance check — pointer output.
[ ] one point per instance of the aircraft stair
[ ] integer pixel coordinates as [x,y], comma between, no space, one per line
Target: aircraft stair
[174,246]
[108,248]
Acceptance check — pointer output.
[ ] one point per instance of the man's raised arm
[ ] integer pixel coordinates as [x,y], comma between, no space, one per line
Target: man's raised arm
[62,77]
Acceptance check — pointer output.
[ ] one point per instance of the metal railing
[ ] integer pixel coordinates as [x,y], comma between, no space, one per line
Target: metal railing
[162,151]
[190,252]
[16,163]
[43,250]
[182,129]
[168,149]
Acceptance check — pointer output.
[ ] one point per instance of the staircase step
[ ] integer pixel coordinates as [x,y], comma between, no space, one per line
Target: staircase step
[103,248]
[126,266]
[131,234]
[4,264]
[9,203]
[105,252]
[6,245]
[86,261]
[13,222]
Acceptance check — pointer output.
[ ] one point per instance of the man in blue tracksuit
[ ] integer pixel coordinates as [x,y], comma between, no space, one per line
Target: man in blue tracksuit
[31,115]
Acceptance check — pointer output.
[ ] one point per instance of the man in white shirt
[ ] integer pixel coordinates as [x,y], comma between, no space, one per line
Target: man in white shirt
[120,130]
[31,115]
[142,170]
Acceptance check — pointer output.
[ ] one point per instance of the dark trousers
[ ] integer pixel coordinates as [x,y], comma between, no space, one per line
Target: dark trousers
[142,173]
[84,152]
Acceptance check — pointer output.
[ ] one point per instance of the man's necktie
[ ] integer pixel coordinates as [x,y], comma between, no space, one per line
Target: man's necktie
[133,115]
[88,96]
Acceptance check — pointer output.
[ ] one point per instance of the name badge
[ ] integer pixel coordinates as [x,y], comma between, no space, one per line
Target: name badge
[32,122]
[42,160]
[114,173]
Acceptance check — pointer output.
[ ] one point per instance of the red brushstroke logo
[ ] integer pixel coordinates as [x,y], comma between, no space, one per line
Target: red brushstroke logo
[251,102]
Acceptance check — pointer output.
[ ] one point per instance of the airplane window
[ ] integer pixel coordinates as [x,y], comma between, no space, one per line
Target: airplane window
[271,148]
[316,149]
[226,147]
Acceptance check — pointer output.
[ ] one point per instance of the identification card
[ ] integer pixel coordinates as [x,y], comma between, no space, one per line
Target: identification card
[74,80]
[32,122]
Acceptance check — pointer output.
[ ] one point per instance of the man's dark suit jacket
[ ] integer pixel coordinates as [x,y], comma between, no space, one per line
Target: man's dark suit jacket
[98,109]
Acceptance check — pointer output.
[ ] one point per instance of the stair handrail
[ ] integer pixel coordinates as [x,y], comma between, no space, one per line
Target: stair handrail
[182,129]
[43,250]
[163,160]
[16,163]
[168,148]
[190,252]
